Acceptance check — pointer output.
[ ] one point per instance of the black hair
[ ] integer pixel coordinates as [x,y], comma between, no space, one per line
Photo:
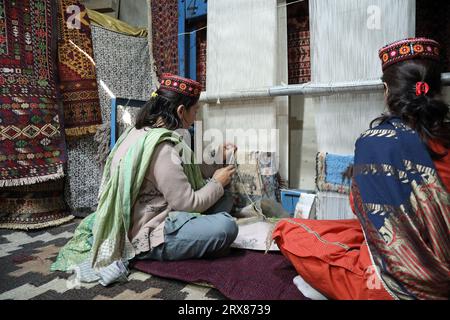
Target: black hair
[163,107]
[427,114]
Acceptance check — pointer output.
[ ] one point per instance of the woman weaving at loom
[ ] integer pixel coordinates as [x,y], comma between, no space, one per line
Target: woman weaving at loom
[400,247]
[152,194]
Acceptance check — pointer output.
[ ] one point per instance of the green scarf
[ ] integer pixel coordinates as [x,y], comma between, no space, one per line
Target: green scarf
[102,236]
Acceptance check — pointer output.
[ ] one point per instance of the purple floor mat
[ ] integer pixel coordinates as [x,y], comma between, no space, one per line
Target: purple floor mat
[242,275]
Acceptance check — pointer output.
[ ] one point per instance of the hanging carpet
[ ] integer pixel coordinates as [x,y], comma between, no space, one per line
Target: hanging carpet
[164,25]
[32,146]
[123,68]
[76,66]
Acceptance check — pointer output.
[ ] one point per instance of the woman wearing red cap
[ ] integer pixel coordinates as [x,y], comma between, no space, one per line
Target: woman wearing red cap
[153,194]
[399,248]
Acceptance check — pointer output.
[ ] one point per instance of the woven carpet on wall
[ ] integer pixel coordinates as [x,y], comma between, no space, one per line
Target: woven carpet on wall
[76,66]
[201,58]
[32,148]
[164,27]
[123,65]
[299,62]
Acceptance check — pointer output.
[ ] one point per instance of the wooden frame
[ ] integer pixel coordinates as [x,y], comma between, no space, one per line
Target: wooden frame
[115,102]
[189,11]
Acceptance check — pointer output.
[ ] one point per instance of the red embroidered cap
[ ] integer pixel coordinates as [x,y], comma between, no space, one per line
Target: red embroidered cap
[411,48]
[181,85]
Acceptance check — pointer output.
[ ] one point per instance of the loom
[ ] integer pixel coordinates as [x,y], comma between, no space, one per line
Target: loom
[345,92]
[242,35]
[340,118]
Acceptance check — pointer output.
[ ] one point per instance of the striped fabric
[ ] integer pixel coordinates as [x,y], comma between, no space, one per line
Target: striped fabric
[404,210]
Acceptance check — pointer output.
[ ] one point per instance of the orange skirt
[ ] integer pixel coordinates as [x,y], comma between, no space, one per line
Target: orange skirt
[332,256]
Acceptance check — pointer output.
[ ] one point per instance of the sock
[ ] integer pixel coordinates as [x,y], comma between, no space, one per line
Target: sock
[306,289]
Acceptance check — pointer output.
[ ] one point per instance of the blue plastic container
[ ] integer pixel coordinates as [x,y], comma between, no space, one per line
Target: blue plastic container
[289,199]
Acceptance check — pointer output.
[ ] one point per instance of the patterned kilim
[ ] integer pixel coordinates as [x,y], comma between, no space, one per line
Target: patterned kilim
[33,207]
[299,63]
[165,35]
[26,257]
[32,144]
[78,82]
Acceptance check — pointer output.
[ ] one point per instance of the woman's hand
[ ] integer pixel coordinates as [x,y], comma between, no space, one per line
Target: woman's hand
[228,149]
[223,175]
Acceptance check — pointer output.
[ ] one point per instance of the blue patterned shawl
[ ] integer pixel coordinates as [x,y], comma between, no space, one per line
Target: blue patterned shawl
[404,211]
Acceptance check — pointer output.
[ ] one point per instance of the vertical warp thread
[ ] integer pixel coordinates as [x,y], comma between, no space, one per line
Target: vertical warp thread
[242,35]
[345,38]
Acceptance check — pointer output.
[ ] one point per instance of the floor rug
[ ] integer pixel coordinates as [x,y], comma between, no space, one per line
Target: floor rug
[25,259]
[32,145]
[242,275]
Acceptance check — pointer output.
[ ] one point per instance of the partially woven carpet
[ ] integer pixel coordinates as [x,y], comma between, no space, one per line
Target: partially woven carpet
[32,146]
[332,200]
[257,179]
[242,275]
[76,66]
[329,170]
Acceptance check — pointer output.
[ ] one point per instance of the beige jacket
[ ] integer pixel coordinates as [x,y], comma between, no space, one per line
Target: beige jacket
[165,188]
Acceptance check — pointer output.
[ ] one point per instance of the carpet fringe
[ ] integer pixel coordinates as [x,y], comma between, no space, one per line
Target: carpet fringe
[34,226]
[33,180]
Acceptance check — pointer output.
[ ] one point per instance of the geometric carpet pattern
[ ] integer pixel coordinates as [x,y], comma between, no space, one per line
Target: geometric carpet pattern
[25,259]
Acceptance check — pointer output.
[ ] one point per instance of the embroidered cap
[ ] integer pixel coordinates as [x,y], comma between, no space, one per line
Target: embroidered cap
[411,48]
[181,85]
